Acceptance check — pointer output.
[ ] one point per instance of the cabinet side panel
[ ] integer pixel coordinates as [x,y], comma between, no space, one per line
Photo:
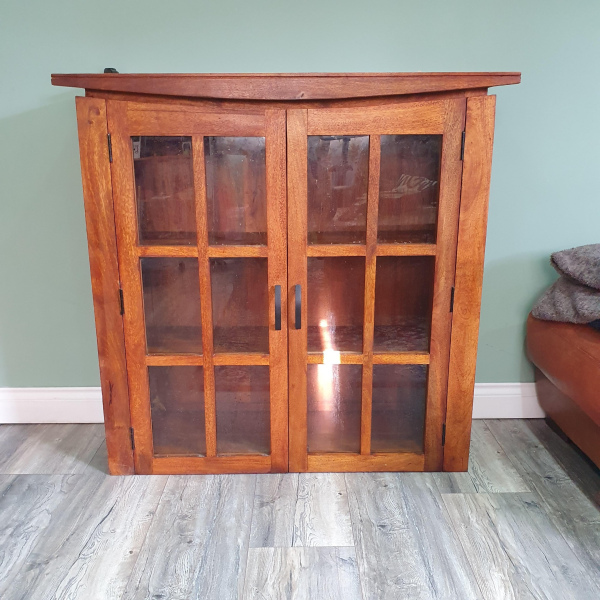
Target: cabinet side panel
[469,277]
[102,246]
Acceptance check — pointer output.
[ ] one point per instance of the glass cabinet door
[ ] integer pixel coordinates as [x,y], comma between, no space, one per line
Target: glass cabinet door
[372,219]
[200,215]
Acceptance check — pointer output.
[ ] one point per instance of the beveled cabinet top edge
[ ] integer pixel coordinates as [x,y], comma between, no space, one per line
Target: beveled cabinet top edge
[284,86]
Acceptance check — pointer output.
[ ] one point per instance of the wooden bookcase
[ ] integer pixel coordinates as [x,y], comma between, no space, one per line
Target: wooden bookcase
[286,269]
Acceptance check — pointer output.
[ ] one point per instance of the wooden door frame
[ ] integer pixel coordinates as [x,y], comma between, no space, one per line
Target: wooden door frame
[445,117]
[127,119]
[104,270]
[470,254]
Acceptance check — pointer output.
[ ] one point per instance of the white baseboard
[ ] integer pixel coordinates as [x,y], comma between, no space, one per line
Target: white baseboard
[51,405]
[84,405]
[506,401]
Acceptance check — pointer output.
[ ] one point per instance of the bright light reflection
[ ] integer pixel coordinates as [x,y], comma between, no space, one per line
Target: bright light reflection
[325,379]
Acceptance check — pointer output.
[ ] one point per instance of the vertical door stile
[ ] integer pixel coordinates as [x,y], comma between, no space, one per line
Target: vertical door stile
[369,305]
[275,140]
[205,295]
[297,242]
[131,282]
[447,232]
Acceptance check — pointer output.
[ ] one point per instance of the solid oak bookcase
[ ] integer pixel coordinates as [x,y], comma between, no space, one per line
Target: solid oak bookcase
[286,269]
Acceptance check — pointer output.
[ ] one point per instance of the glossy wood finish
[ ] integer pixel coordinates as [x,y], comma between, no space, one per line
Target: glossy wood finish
[102,248]
[468,279]
[217,346]
[285,86]
[356,338]
[285,110]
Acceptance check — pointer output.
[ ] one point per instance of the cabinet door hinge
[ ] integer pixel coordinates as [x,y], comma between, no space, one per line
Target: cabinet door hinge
[444,434]
[452,299]
[132,438]
[462,146]
[121,302]
[109,142]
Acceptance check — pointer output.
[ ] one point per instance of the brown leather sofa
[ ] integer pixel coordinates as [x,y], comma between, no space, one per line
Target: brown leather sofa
[567,361]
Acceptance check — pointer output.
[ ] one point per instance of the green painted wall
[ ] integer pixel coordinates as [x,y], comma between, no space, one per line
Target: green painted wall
[544,187]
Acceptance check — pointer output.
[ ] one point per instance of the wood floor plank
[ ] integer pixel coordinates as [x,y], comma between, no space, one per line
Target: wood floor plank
[405,545]
[573,508]
[489,467]
[11,439]
[57,514]
[302,574]
[274,508]
[53,449]
[515,549]
[322,514]
[196,547]
[454,483]
[104,564]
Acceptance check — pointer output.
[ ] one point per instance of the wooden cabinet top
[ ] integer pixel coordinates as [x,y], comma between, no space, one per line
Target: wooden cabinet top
[286,86]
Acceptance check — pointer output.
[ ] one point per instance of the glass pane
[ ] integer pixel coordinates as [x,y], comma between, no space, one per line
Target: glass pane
[399,398]
[403,303]
[409,188]
[177,407]
[338,174]
[240,304]
[236,190]
[164,190]
[172,305]
[243,415]
[334,404]
[335,304]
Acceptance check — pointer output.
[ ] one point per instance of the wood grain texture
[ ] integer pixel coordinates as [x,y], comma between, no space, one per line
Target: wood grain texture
[406,249]
[573,505]
[103,565]
[524,555]
[302,573]
[297,232]
[58,526]
[52,449]
[202,528]
[347,463]
[131,282]
[274,508]
[445,259]
[369,301]
[185,122]
[417,118]
[491,471]
[391,517]
[206,311]
[104,270]
[285,86]
[277,276]
[468,279]
[322,516]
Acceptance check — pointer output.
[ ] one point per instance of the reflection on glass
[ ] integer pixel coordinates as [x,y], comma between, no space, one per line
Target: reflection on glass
[403,303]
[243,414]
[334,405]
[177,408]
[409,188]
[172,305]
[236,190]
[399,399]
[240,304]
[338,174]
[164,190]
[335,301]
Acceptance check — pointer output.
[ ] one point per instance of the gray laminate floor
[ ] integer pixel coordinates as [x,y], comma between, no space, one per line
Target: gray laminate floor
[523,523]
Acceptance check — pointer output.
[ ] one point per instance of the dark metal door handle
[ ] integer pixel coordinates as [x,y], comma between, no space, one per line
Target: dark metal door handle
[277,307]
[298,298]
